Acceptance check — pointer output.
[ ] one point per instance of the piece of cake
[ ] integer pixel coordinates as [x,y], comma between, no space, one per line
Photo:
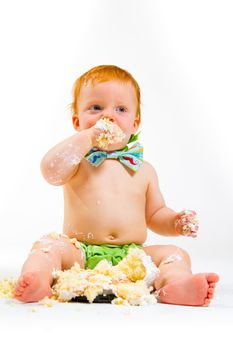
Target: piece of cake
[7,286]
[130,281]
[133,293]
[111,133]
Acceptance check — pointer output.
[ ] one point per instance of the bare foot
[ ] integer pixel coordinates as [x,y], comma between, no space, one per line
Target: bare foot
[195,290]
[31,286]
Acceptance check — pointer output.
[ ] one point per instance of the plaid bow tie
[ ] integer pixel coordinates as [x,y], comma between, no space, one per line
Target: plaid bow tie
[131,157]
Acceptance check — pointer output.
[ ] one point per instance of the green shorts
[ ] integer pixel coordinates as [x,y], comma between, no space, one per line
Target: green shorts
[113,253]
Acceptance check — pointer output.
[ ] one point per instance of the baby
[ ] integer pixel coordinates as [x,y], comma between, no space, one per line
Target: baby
[111,197]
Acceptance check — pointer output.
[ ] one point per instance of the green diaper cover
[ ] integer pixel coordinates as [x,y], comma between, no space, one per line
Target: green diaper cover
[113,253]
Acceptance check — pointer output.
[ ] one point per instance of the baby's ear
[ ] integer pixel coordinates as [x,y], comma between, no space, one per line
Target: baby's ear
[136,124]
[75,121]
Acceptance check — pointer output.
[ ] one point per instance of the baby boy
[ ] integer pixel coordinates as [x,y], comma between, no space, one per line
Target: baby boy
[111,197]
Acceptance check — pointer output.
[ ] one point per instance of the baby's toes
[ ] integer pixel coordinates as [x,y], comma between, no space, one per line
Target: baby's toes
[28,277]
[207,301]
[18,290]
[23,284]
[210,295]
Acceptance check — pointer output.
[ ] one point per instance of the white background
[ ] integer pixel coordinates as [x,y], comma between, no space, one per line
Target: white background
[180,52]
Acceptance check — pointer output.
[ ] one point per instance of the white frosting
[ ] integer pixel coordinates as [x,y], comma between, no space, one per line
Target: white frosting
[171,258]
[131,280]
[112,133]
[152,272]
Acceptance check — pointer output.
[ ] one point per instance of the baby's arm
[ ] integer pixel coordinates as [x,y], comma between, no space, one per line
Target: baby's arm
[61,162]
[163,220]
[159,218]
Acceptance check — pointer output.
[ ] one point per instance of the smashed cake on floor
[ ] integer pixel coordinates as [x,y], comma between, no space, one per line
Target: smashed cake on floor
[130,282]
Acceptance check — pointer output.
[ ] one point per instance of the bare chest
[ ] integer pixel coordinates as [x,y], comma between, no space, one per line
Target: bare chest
[110,179]
[108,201]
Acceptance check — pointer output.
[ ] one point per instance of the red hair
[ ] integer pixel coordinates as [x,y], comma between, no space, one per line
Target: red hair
[104,73]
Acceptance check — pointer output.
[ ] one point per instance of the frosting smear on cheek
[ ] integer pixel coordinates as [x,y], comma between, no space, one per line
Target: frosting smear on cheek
[110,133]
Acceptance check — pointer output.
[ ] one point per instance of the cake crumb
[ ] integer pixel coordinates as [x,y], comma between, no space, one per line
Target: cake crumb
[48,302]
[33,309]
[7,287]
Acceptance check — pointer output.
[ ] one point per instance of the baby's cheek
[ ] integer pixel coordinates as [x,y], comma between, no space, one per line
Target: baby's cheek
[91,121]
[126,125]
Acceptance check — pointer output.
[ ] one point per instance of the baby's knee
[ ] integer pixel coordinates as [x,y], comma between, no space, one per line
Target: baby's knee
[51,242]
[60,245]
[178,253]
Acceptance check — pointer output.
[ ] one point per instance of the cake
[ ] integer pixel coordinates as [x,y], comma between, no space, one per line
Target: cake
[7,287]
[131,281]
[110,133]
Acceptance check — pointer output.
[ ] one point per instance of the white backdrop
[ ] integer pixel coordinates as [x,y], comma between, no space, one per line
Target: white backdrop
[180,52]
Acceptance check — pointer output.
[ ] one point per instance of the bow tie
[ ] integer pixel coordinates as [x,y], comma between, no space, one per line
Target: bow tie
[131,157]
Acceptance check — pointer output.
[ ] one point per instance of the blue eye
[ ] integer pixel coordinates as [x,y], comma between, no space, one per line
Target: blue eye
[121,109]
[95,108]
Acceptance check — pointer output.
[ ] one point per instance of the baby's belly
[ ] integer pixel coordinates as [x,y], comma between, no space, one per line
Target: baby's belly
[107,225]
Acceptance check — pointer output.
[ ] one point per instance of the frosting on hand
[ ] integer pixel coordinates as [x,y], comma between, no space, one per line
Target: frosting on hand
[187,223]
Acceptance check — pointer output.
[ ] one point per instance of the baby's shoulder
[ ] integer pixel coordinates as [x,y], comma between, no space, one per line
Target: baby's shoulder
[149,169]
[148,166]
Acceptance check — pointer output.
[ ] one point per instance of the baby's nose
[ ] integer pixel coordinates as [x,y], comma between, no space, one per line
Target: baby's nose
[111,119]
[109,115]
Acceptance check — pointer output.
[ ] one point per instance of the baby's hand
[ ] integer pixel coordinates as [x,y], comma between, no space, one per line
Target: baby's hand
[106,133]
[186,223]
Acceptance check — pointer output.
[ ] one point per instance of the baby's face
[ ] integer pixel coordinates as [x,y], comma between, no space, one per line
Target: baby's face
[113,100]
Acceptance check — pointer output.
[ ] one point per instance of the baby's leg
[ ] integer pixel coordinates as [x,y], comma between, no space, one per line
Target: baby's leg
[36,275]
[176,283]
